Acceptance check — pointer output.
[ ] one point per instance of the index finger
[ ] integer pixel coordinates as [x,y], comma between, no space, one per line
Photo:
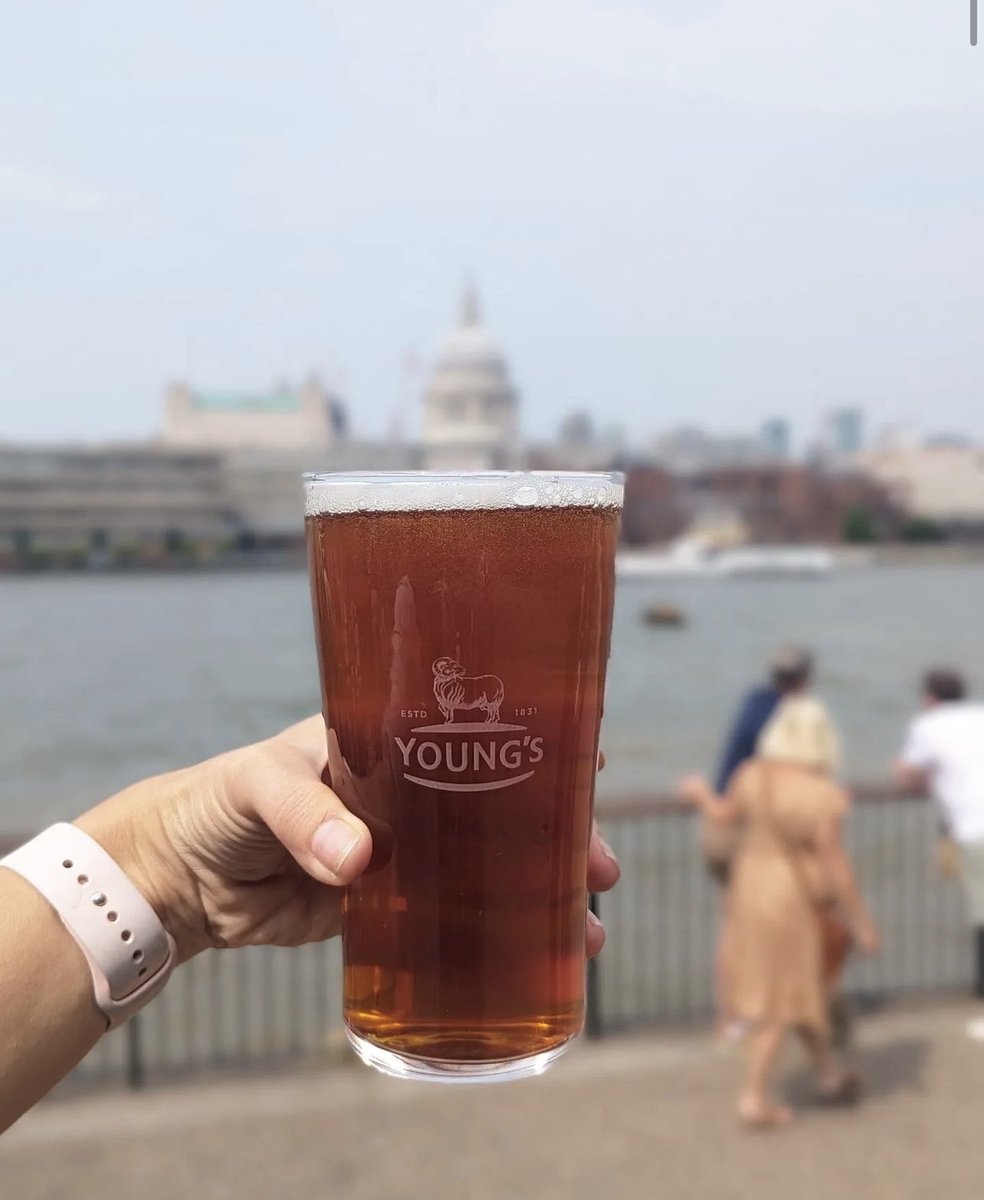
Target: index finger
[603,868]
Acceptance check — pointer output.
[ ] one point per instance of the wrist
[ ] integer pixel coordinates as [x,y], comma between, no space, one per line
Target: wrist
[132,827]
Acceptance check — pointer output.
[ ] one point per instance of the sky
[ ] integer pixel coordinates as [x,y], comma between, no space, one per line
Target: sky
[679,211]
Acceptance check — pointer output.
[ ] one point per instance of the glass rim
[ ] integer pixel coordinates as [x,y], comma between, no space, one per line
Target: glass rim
[615,478]
[333,493]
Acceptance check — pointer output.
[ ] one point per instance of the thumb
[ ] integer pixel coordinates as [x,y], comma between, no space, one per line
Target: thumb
[310,821]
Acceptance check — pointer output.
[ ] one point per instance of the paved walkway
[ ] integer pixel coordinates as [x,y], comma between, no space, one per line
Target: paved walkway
[637,1117]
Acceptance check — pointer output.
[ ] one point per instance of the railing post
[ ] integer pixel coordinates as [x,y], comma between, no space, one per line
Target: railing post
[135,1074]
[594,1025]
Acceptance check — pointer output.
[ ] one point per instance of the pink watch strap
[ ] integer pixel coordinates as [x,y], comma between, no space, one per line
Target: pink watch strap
[129,952]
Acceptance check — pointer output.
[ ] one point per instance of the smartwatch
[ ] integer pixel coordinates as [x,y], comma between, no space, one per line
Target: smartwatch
[130,953]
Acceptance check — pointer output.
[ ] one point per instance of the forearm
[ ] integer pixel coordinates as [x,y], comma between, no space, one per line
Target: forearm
[721,810]
[48,1017]
[846,891]
[909,778]
[249,848]
[129,828]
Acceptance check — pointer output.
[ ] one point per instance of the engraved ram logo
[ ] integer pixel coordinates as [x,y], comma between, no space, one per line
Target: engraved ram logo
[456,690]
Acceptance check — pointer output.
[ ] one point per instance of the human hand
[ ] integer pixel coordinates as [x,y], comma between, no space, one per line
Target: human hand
[238,850]
[867,937]
[603,874]
[694,790]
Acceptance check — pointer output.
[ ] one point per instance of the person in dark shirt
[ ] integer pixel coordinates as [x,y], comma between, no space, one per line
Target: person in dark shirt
[790,670]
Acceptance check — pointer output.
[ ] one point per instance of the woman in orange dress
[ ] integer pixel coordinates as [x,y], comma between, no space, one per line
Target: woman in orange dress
[791,888]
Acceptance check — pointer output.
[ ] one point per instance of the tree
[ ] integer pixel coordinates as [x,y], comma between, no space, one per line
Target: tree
[857,526]
[922,529]
[175,543]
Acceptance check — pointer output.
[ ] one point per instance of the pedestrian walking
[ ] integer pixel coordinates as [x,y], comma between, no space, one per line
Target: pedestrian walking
[944,755]
[793,908]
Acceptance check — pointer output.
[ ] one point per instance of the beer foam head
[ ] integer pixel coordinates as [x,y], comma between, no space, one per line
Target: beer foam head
[432,491]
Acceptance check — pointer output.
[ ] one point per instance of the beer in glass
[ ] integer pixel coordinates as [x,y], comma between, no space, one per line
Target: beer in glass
[463,625]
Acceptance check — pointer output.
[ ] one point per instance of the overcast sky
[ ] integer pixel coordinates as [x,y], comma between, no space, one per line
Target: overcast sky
[676,210]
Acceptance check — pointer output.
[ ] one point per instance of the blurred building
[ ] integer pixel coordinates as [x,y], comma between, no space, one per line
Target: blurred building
[265,486]
[774,503]
[469,405]
[896,437]
[689,448]
[775,437]
[843,433]
[653,510]
[577,430]
[225,474]
[89,502]
[949,441]
[791,502]
[579,446]
[226,469]
[308,417]
[939,483]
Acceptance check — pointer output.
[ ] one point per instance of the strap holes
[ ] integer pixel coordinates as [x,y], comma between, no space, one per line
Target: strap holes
[68,864]
[83,879]
[126,935]
[137,955]
[111,916]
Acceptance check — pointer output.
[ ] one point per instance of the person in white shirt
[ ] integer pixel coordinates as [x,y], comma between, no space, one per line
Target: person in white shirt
[944,754]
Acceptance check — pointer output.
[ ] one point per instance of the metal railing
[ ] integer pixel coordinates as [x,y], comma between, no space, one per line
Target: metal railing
[658,963]
[264,1005]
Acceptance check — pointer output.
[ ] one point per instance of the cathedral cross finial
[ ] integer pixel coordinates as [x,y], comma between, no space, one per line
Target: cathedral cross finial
[470,314]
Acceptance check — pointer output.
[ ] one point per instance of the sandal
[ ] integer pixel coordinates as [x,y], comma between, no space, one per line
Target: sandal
[764,1120]
[845,1093]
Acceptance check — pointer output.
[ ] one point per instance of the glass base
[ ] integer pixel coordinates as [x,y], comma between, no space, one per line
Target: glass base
[436,1070]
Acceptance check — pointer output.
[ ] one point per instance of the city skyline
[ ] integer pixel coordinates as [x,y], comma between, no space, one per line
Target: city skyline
[839,432]
[712,211]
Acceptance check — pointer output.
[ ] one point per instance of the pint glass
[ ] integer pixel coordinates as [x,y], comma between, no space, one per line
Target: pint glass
[463,625]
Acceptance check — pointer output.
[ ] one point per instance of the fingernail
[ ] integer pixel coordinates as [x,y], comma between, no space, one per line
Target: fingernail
[608,852]
[333,841]
[593,921]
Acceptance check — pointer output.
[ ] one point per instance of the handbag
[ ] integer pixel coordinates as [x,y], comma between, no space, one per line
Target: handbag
[836,944]
[836,938]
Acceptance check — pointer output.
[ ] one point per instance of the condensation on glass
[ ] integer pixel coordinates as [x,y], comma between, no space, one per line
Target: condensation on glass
[463,625]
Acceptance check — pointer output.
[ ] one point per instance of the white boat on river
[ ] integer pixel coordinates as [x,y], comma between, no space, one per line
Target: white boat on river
[694,558]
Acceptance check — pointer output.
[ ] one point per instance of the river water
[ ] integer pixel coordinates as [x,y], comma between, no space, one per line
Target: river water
[108,679]
[105,679]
